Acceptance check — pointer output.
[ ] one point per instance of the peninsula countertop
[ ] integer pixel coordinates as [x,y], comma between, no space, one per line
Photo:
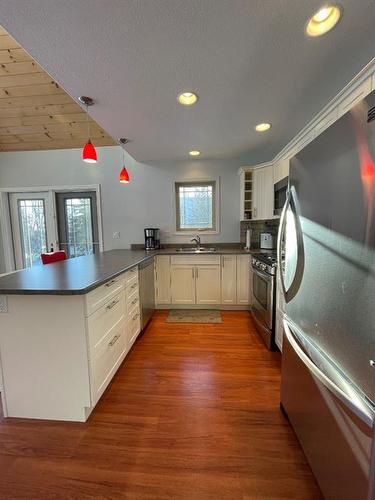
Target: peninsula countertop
[82,274]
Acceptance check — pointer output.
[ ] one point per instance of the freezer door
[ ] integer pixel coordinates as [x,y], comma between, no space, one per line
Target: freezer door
[332,421]
[329,235]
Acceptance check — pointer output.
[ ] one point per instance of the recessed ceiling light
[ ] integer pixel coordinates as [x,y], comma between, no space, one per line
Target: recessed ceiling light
[323,20]
[194,152]
[262,127]
[187,98]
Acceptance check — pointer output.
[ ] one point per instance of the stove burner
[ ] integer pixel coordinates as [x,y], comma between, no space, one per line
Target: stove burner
[265,262]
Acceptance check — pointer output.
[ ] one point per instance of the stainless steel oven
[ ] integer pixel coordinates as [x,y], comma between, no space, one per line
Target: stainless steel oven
[263,299]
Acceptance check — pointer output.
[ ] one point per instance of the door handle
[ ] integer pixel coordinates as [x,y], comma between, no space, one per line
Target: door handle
[293,288]
[114,340]
[110,283]
[112,304]
[355,401]
[279,242]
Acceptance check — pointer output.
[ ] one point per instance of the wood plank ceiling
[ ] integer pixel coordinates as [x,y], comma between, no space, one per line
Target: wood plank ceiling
[35,112]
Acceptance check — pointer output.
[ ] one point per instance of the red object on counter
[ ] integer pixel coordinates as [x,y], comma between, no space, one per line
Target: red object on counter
[50,257]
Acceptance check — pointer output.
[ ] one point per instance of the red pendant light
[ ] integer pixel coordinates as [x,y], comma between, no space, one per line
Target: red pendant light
[88,152]
[124,175]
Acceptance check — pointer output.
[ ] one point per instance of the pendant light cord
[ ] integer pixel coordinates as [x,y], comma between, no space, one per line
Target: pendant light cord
[88,124]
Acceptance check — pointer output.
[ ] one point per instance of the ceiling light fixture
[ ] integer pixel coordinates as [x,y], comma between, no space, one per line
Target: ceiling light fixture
[262,127]
[187,98]
[88,152]
[194,152]
[323,20]
[124,175]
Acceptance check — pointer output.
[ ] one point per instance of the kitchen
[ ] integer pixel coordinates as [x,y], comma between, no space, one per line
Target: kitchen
[83,355]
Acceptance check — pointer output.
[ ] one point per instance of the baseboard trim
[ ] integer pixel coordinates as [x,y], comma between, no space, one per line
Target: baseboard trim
[221,307]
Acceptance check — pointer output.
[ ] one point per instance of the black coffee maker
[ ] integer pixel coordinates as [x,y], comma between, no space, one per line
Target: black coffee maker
[152,241]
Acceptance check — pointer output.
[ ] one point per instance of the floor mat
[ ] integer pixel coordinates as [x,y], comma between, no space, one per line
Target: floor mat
[194,316]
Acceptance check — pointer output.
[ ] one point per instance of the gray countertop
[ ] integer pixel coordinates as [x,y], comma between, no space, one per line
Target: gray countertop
[82,274]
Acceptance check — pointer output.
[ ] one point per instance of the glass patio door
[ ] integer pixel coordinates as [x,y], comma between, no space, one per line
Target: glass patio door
[77,223]
[33,227]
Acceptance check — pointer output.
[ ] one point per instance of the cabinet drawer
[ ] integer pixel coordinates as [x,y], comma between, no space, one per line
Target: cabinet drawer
[131,275]
[133,313]
[134,327]
[103,322]
[132,288]
[99,296]
[132,299]
[105,366]
[195,260]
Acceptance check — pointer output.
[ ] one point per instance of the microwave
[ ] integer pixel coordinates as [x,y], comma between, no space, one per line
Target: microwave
[280,188]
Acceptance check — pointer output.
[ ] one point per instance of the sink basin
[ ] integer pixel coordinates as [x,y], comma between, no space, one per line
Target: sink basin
[196,250]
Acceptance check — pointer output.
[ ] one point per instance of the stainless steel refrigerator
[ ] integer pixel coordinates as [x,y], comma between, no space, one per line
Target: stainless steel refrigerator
[326,253]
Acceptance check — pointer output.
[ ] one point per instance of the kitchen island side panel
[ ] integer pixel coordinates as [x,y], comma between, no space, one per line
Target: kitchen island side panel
[44,357]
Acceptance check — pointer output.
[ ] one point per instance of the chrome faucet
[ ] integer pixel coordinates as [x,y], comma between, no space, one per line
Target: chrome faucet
[197,240]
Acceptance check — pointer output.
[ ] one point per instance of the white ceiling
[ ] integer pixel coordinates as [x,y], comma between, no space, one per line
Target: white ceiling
[249,61]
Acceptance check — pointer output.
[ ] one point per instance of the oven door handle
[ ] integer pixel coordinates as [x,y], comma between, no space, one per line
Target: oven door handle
[291,291]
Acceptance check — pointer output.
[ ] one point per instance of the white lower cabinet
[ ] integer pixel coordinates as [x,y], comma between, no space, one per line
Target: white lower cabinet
[112,330]
[203,280]
[106,364]
[183,284]
[244,279]
[229,279]
[163,279]
[207,284]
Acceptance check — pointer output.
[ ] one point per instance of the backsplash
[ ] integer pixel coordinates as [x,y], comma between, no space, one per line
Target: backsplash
[257,227]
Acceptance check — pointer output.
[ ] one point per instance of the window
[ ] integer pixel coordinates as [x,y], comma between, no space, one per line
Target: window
[195,206]
[77,223]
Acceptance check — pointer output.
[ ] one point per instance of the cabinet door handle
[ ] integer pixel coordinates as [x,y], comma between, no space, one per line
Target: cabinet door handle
[135,316]
[110,283]
[113,303]
[134,286]
[223,261]
[134,301]
[255,212]
[192,272]
[196,272]
[114,340]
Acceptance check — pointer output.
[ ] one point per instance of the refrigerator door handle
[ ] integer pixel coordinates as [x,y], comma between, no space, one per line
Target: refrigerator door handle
[357,404]
[279,241]
[297,278]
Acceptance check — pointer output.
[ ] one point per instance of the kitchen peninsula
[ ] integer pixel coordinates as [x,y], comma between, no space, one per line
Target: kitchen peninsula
[71,324]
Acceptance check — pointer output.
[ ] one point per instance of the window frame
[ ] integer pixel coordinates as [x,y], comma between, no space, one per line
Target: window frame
[215,229]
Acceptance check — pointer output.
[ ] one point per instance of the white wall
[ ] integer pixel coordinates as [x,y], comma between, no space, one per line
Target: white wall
[146,202]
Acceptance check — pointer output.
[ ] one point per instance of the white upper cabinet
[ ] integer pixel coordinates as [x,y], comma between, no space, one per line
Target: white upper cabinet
[280,170]
[246,187]
[263,193]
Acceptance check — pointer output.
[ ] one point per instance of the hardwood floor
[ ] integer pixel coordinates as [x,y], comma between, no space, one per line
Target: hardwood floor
[193,413]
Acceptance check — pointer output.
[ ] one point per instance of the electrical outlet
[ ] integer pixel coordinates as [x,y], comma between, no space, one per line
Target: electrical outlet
[116,235]
[3,304]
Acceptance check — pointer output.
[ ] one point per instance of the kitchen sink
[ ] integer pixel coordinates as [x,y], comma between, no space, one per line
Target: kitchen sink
[196,249]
